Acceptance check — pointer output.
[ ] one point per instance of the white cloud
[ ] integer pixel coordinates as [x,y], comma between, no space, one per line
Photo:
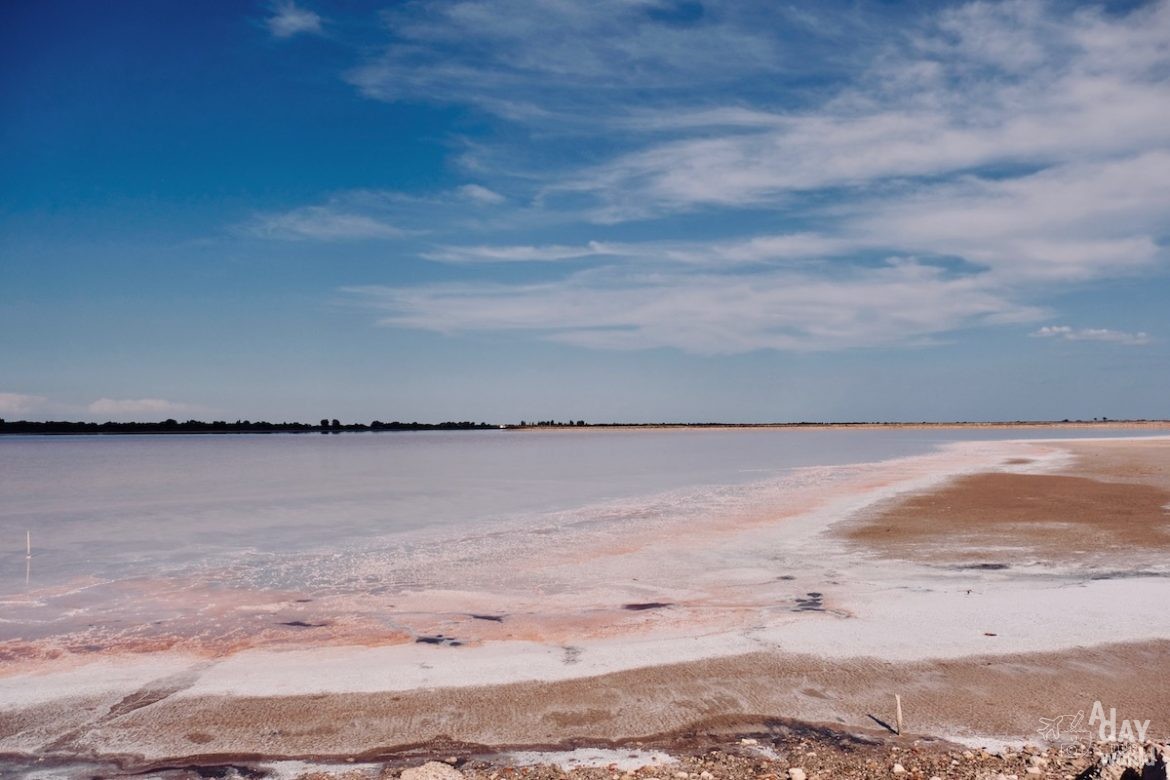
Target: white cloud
[899,302]
[765,248]
[120,407]
[520,254]
[530,59]
[19,403]
[1070,222]
[1008,149]
[322,223]
[757,249]
[480,194]
[1095,88]
[1092,334]
[289,19]
[354,215]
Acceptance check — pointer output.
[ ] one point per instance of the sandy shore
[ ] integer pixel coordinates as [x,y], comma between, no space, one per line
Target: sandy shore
[1022,581]
[966,697]
[1109,504]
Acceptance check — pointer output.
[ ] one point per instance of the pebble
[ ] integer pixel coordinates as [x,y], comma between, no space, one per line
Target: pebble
[1033,770]
[735,761]
[748,741]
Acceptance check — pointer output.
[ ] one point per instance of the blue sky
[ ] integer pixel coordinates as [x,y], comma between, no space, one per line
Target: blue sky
[616,210]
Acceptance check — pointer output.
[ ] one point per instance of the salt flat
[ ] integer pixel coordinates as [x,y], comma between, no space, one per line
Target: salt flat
[630,616]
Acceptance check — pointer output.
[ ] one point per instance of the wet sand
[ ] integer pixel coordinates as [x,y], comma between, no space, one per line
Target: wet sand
[1006,694]
[1021,588]
[1109,504]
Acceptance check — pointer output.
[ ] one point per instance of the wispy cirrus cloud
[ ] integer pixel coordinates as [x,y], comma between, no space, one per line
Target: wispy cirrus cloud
[363,215]
[900,302]
[956,100]
[321,223]
[1068,223]
[527,60]
[289,19]
[712,254]
[520,253]
[1066,333]
[987,154]
[480,194]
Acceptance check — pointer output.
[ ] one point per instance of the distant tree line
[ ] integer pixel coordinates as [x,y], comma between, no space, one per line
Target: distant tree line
[333,425]
[833,424]
[551,423]
[223,426]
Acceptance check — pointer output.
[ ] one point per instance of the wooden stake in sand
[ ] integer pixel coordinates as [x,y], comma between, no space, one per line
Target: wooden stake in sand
[898,706]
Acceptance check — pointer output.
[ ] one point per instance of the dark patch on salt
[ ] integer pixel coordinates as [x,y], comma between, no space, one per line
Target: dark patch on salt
[438,639]
[639,607]
[984,566]
[302,624]
[810,602]
[493,618]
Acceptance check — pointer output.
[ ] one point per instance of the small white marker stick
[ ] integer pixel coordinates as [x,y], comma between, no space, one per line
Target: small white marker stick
[898,705]
[28,544]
